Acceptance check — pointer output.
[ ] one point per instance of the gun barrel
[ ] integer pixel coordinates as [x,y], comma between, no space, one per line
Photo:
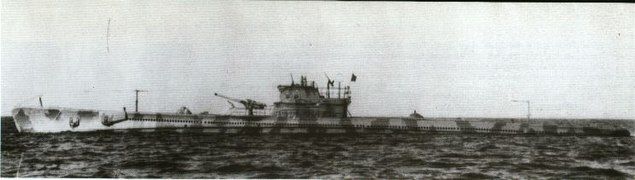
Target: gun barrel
[229,98]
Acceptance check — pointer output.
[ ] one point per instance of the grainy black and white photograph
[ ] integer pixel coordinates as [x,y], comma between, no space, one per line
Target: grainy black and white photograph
[203,89]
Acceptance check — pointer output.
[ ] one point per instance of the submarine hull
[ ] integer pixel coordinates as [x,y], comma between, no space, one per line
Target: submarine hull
[51,120]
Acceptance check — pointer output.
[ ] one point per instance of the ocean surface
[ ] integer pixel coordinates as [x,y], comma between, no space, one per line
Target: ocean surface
[183,154]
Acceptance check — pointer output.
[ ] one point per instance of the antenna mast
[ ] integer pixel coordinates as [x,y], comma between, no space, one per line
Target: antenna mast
[108,37]
[328,86]
[528,107]
[136,100]
[292,83]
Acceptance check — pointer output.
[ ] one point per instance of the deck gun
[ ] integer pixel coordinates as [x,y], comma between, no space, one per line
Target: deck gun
[249,104]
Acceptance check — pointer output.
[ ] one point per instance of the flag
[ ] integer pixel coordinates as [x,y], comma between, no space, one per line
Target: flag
[353,78]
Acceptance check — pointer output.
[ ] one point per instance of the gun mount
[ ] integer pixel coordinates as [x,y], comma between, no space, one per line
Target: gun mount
[249,104]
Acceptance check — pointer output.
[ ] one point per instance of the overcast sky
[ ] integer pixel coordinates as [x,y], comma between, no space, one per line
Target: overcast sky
[442,59]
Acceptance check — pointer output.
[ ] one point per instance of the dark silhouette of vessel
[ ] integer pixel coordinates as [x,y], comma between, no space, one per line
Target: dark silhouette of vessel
[301,108]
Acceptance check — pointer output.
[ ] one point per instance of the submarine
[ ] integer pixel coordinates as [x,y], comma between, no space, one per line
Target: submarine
[301,109]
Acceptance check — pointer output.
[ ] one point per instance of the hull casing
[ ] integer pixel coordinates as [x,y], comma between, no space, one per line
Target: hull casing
[50,120]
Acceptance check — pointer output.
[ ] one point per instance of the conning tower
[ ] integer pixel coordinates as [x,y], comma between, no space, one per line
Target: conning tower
[305,101]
